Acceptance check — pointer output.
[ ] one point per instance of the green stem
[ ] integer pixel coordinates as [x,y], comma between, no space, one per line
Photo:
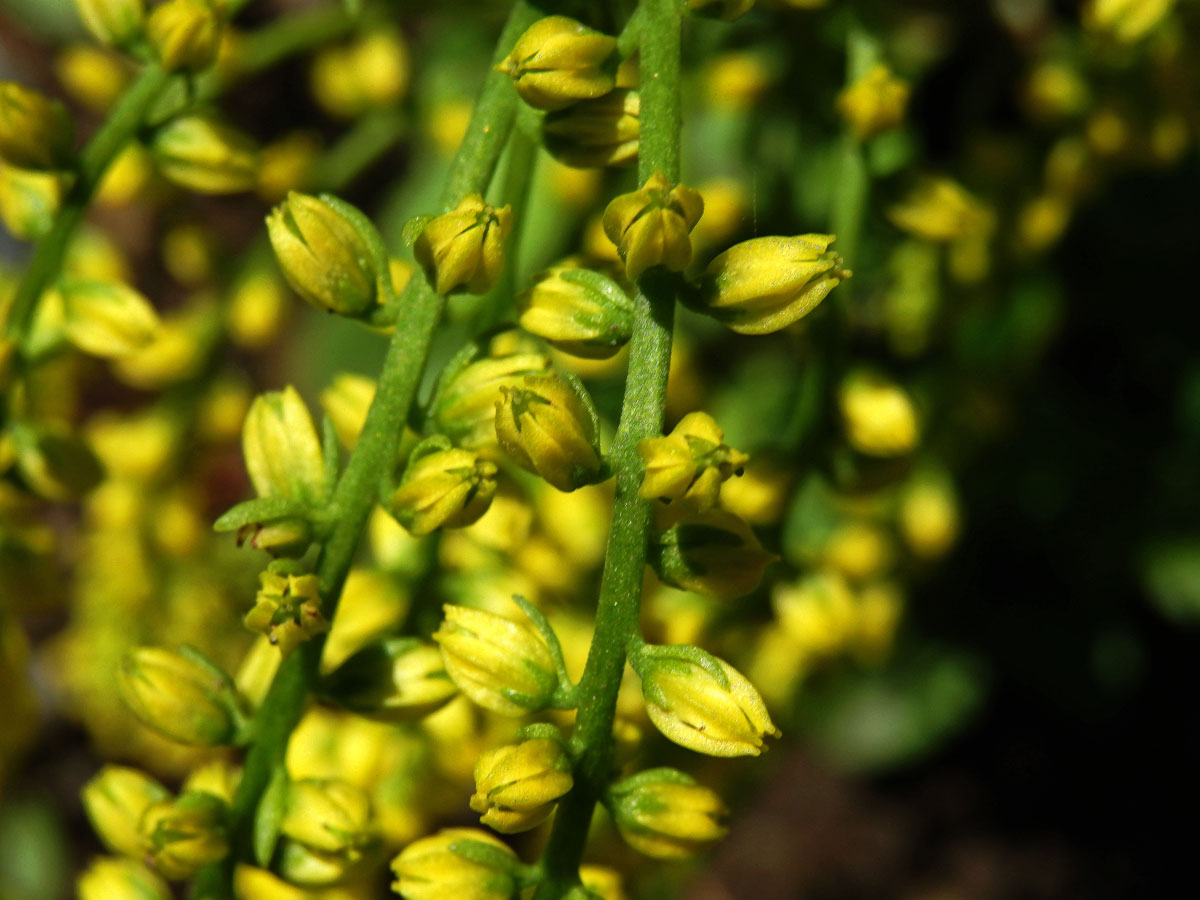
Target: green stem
[370,138]
[642,415]
[292,34]
[355,494]
[120,126]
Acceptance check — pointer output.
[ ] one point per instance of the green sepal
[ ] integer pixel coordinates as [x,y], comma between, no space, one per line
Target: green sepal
[261,509]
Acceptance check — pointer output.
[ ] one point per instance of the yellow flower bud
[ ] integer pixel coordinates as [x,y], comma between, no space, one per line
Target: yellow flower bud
[688,465]
[298,865]
[701,702]
[665,814]
[874,102]
[106,319]
[595,133]
[443,487]
[115,800]
[186,34]
[346,402]
[328,816]
[323,256]
[204,155]
[182,835]
[219,778]
[464,248]
[465,406]
[29,200]
[558,61]
[579,311]
[282,451]
[765,284]
[286,164]
[431,869]
[729,10]
[180,695]
[548,427]
[817,612]
[94,77]
[650,226]
[396,680]
[284,536]
[940,210]
[518,785]
[287,610]
[1125,20]
[369,73]
[115,22]
[929,516]
[879,417]
[713,553]
[35,131]
[602,881]
[503,665]
[121,879]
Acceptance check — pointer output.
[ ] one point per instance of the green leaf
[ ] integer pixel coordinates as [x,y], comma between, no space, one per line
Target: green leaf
[269,817]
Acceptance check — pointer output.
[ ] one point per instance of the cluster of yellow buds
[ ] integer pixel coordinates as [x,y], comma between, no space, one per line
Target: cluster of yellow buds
[136,817]
[686,468]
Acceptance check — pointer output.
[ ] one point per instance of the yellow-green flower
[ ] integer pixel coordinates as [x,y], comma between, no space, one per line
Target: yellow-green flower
[322,255]
[29,200]
[106,318]
[713,553]
[518,785]
[559,61]
[580,311]
[940,210]
[121,879]
[115,800]
[873,103]
[287,610]
[115,22]
[709,708]
[650,226]
[464,248]
[765,284]
[396,680]
[688,466]
[545,426]
[879,416]
[665,814]
[1125,20]
[281,448]
[183,697]
[35,131]
[595,133]
[329,816]
[443,487]
[430,869]
[205,155]
[181,836]
[501,664]
[346,402]
[185,34]
[465,406]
